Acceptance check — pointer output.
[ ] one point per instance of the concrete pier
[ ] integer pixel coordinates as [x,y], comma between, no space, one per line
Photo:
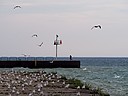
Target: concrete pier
[40,64]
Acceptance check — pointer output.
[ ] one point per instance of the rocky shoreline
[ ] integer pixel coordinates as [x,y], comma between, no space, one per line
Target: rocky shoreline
[40,83]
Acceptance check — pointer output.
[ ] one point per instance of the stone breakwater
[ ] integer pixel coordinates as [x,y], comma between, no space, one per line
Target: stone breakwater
[39,83]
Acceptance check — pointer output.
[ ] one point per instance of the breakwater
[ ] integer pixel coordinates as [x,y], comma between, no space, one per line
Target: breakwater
[40,64]
[37,62]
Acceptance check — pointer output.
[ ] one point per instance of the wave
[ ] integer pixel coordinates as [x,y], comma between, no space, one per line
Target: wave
[84,68]
[116,76]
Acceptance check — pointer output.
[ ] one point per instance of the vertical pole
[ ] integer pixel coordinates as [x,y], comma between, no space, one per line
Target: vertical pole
[56,52]
[56,45]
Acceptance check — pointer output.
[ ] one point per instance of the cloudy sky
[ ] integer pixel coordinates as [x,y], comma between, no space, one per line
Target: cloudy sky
[72,20]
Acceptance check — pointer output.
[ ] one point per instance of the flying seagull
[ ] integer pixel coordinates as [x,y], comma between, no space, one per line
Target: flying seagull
[40,44]
[25,55]
[17,7]
[96,26]
[35,35]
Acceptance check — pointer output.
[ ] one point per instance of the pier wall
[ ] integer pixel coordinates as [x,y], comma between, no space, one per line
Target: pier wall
[40,64]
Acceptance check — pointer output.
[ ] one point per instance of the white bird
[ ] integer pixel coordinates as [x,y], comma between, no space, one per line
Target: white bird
[59,77]
[9,86]
[41,82]
[22,85]
[34,35]
[13,91]
[63,82]
[33,91]
[30,94]
[52,82]
[14,88]
[40,44]
[17,7]
[23,89]
[38,90]
[39,85]
[83,87]
[24,55]
[17,92]
[42,93]
[45,83]
[78,94]
[58,80]
[67,86]
[85,69]
[51,61]
[30,82]
[96,26]
[78,87]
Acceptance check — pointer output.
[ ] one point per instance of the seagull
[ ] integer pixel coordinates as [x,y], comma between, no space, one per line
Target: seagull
[78,87]
[78,94]
[17,7]
[51,61]
[96,26]
[42,93]
[35,35]
[40,44]
[83,87]
[24,55]
[67,86]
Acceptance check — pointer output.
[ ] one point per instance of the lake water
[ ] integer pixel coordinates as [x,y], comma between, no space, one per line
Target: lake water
[111,74]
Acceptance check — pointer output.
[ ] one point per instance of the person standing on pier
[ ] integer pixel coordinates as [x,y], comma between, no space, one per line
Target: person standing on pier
[70,57]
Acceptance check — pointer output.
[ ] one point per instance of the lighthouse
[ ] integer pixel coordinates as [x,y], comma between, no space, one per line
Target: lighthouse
[56,43]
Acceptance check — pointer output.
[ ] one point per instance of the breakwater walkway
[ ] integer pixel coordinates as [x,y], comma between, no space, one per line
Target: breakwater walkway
[34,62]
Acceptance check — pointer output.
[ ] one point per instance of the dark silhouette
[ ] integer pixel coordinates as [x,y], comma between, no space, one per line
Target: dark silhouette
[57,36]
[96,26]
[35,35]
[40,44]
[17,7]
[70,57]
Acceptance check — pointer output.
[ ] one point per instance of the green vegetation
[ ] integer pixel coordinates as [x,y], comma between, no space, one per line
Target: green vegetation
[101,93]
[63,78]
[74,83]
[88,86]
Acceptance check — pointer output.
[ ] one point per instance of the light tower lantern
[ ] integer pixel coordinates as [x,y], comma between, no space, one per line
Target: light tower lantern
[56,43]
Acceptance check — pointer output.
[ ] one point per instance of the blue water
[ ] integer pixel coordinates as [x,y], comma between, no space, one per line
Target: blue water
[111,74]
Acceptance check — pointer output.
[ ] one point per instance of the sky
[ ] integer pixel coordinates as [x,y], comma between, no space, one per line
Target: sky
[71,20]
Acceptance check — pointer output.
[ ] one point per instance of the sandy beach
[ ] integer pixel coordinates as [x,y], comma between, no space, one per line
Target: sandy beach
[40,83]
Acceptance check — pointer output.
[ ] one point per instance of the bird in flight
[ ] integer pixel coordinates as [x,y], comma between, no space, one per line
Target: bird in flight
[25,55]
[96,26]
[17,7]
[35,35]
[40,44]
